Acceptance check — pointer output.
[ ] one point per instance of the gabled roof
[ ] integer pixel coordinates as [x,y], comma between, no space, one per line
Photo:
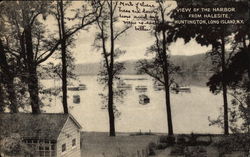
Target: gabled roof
[75,121]
[34,126]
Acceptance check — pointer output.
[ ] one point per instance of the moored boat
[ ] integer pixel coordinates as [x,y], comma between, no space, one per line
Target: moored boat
[185,89]
[122,85]
[73,88]
[76,99]
[82,87]
[182,89]
[104,107]
[144,99]
[158,87]
[141,88]
[77,88]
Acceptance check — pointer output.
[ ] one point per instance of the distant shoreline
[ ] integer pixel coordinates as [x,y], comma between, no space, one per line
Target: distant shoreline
[152,133]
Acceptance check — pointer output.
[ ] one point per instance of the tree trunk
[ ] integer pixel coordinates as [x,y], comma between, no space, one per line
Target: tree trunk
[167,97]
[64,61]
[166,82]
[110,73]
[226,127]
[33,90]
[64,80]
[32,72]
[111,106]
[224,85]
[168,106]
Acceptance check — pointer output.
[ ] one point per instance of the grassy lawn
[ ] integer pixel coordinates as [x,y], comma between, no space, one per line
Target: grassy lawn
[123,145]
[101,145]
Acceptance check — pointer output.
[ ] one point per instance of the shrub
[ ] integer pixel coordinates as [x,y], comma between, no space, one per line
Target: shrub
[197,151]
[234,143]
[199,140]
[202,143]
[167,139]
[181,140]
[162,146]
[163,139]
[193,139]
[202,150]
[14,146]
[177,150]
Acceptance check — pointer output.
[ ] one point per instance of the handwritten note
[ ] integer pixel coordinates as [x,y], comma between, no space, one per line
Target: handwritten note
[142,15]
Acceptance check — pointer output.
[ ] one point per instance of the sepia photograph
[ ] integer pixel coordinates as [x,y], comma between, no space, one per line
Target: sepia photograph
[125,78]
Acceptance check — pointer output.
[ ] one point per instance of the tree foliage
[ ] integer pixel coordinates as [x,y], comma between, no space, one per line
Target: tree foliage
[218,36]
[27,43]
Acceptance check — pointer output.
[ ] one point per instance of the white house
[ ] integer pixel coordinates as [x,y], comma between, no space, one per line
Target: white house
[46,134]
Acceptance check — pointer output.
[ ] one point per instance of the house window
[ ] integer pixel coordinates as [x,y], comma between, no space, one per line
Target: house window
[52,147]
[41,148]
[74,142]
[29,141]
[41,141]
[64,147]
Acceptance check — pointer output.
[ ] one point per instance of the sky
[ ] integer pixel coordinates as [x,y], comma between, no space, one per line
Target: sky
[134,42]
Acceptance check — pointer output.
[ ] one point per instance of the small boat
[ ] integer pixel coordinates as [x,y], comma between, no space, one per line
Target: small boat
[104,107]
[158,87]
[144,99]
[73,88]
[185,89]
[82,87]
[77,88]
[76,99]
[140,79]
[141,88]
[122,85]
[182,89]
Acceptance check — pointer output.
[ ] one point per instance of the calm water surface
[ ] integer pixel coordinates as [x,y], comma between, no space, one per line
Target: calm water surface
[190,111]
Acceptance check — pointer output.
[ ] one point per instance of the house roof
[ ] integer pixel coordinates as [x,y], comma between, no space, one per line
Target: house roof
[34,126]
